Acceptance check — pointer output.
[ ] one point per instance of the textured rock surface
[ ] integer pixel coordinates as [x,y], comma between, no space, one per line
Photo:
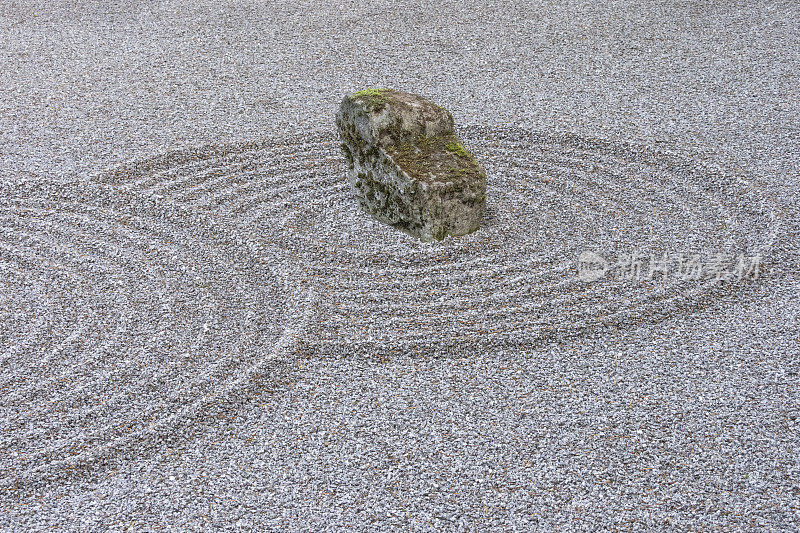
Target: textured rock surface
[407,167]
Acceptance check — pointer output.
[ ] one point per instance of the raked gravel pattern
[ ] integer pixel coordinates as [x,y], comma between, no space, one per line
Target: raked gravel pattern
[266,238]
[211,334]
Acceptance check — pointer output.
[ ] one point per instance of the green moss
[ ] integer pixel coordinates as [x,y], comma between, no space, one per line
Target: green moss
[441,155]
[369,92]
[458,149]
[372,98]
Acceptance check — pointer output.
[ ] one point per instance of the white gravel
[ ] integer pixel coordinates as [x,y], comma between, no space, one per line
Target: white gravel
[200,330]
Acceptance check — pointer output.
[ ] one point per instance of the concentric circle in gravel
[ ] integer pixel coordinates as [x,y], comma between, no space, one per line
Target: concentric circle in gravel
[153,291]
[515,281]
[128,316]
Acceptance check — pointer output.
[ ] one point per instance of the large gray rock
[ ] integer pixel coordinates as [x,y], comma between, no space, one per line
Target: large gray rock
[407,167]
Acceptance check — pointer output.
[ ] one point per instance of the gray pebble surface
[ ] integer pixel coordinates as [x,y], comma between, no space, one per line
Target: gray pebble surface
[199,330]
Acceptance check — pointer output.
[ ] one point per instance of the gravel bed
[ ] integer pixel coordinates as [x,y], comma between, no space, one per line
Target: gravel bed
[201,330]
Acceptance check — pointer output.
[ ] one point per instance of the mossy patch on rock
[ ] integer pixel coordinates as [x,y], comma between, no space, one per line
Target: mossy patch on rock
[438,158]
[406,165]
[372,97]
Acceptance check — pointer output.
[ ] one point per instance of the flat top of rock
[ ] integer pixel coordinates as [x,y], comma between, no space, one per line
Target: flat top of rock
[377,99]
[418,134]
[396,116]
